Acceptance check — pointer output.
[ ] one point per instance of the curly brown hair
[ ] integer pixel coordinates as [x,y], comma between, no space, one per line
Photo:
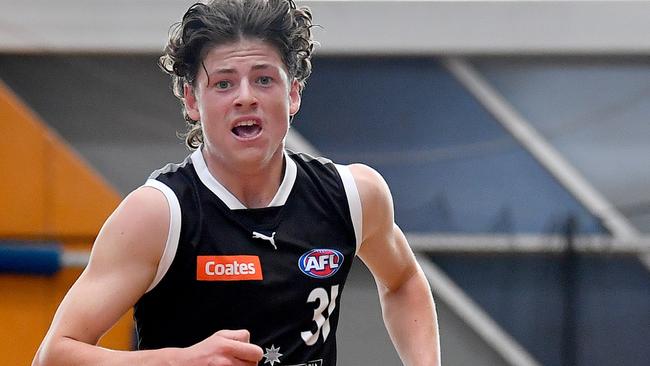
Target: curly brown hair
[279,22]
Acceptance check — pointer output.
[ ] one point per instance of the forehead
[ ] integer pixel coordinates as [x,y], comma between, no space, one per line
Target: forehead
[244,53]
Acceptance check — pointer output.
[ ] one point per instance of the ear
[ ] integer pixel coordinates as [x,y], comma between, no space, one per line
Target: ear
[191,103]
[294,97]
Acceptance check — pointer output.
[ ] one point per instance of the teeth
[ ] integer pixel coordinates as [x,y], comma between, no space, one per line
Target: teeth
[246,123]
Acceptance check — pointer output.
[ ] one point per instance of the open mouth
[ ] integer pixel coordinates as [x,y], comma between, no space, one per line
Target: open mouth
[247,130]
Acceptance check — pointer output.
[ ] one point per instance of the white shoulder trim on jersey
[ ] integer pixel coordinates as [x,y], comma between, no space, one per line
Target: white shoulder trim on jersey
[228,198]
[209,181]
[290,173]
[354,201]
[174,230]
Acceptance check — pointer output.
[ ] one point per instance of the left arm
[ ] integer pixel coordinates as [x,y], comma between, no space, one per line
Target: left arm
[406,301]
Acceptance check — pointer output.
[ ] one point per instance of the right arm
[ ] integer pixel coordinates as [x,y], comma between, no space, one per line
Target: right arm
[123,263]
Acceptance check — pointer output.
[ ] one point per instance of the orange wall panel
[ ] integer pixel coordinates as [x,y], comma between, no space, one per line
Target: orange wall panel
[24,313]
[80,202]
[48,190]
[27,311]
[23,182]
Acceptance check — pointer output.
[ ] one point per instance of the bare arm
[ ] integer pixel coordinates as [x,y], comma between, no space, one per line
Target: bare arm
[123,264]
[407,304]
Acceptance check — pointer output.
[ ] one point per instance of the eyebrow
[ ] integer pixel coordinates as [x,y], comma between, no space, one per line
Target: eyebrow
[224,71]
[261,66]
[227,70]
[230,71]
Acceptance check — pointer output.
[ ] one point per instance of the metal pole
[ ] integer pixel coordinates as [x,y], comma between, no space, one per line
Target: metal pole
[570,287]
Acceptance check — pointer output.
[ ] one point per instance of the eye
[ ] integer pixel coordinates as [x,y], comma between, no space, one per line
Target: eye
[265,80]
[223,84]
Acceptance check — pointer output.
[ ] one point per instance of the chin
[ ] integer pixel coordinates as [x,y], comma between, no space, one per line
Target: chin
[255,155]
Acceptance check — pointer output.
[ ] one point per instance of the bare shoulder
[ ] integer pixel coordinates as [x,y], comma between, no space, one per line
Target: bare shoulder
[371,185]
[129,246]
[376,200]
[144,209]
[146,203]
[137,229]
[122,265]
[384,248]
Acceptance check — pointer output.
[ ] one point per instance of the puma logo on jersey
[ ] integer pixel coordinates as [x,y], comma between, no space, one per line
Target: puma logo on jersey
[228,268]
[270,239]
[320,263]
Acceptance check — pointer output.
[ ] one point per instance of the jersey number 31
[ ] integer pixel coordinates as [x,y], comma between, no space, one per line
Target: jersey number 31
[321,318]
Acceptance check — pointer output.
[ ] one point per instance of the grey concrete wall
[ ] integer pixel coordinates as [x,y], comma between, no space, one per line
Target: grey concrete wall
[349,27]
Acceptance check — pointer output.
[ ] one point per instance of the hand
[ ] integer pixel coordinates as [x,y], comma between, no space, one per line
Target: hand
[224,348]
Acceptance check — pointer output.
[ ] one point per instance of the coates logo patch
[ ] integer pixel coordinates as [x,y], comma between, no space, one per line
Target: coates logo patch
[228,268]
[320,263]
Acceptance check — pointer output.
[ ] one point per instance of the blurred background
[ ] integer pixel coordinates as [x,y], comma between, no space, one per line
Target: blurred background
[514,136]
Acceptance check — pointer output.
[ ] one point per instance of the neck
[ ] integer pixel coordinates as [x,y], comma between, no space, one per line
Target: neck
[254,186]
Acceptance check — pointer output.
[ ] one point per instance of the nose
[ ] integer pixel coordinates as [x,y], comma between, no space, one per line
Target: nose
[246,95]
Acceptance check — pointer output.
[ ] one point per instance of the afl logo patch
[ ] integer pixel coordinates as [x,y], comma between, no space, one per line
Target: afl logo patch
[320,263]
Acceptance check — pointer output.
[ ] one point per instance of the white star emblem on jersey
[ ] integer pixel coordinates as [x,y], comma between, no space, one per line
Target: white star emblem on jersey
[272,355]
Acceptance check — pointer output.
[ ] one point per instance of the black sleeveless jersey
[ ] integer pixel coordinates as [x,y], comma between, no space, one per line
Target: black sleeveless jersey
[277,271]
